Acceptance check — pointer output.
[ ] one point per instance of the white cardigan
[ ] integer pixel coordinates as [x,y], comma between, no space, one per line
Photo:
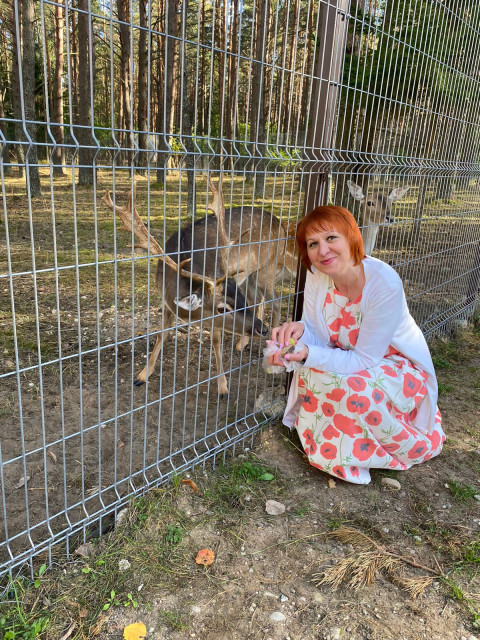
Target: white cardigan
[386,321]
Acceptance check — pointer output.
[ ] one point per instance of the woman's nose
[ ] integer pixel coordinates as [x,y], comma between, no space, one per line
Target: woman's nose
[323,248]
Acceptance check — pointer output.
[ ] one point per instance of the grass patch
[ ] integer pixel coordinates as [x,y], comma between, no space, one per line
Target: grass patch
[464,493]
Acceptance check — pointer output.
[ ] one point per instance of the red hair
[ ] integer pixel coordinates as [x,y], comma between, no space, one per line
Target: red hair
[325,219]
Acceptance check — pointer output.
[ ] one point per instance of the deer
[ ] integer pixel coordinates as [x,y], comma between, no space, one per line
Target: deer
[196,285]
[376,211]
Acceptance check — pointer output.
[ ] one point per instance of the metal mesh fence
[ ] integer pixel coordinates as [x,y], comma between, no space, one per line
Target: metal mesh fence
[174,108]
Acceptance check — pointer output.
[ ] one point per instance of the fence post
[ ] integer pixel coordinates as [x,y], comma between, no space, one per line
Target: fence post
[330,52]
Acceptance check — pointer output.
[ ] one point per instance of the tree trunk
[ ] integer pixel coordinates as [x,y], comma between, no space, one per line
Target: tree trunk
[125,64]
[187,119]
[28,72]
[58,154]
[230,111]
[142,85]
[84,137]
[166,92]
[258,132]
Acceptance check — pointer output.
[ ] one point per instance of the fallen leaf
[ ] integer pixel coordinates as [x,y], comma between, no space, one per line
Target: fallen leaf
[135,631]
[52,456]
[205,557]
[190,483]
[274,508]
[21,482]
[331,483]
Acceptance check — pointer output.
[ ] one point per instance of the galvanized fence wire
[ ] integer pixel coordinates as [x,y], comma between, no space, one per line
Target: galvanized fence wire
[280,104]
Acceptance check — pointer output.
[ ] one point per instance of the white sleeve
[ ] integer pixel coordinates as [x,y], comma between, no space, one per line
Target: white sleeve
[377,328]
[309,317]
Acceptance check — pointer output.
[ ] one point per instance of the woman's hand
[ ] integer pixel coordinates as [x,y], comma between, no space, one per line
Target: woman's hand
[282,335]
[288,330]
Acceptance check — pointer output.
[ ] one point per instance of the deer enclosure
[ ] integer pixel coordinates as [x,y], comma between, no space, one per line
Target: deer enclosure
[154,161]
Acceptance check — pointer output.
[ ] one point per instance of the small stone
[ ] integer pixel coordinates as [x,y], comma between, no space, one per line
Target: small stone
[477,496]
[336,633]
[124,565]
[283,598]
[417,539]
[391,483]
[277,616]
[196,609]
[274,508]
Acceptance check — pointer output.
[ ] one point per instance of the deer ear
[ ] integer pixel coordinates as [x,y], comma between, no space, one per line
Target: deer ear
[355,191]
[189,303]
[398,193]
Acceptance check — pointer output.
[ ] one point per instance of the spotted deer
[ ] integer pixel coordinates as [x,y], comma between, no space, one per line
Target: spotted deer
[200,271]
[375,211]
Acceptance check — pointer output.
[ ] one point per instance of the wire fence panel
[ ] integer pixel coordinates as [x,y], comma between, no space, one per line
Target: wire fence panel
[155,158]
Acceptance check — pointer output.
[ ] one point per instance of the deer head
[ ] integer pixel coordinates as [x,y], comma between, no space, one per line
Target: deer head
[375,210]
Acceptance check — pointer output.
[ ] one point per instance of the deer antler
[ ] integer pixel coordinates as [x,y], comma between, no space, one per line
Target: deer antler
[146,240]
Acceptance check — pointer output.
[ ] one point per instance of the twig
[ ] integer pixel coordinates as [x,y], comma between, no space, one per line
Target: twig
[69,631]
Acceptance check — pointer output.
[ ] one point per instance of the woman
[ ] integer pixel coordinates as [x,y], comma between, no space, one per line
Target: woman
[365,396]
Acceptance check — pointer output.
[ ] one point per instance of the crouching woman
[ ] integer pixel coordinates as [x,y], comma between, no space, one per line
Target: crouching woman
[366,395]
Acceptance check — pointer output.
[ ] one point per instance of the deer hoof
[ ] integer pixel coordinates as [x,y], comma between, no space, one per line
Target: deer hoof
[138,383]
[223,396]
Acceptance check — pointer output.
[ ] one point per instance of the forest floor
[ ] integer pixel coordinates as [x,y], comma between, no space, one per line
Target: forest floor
[340,562]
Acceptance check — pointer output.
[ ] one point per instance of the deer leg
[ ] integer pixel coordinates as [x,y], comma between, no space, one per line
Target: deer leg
[217,348]
[250,295]
[147,371]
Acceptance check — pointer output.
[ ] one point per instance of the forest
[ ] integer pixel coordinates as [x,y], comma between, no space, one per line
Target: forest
[91,84]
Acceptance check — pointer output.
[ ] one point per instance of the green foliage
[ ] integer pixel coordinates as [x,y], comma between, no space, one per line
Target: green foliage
[464,493]
[17,620]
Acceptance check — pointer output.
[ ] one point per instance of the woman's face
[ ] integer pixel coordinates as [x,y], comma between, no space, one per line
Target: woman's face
[329,251]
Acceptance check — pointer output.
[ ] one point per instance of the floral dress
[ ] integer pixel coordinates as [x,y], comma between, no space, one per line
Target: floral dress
[349,424]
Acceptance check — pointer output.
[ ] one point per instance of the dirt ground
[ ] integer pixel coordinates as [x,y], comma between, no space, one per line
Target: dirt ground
[265,582]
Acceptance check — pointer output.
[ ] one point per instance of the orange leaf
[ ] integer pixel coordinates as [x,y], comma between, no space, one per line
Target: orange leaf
[190,483]
[135,631]
[205,557]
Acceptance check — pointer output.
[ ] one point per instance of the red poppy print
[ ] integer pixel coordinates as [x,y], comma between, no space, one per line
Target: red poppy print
[346,320]
[310,444]
[418,449]
[403,435]
[328,298]
[339,471]
[317,370]
[355,472]
[377,396]
[310,402]
[327,409]
[328,451]
[348,426]
[363,448]
[364,373]
[336,394]
[353,336]
[389,371]
[356,383]
[391,447]
[330,432]
[374,418]
[434,439]
[358,404]
[410,385]
[301,383]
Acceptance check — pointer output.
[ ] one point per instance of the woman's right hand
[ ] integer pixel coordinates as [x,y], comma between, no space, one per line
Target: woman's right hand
[288,330]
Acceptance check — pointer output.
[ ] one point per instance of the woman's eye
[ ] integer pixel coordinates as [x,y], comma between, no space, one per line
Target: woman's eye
[330,238]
